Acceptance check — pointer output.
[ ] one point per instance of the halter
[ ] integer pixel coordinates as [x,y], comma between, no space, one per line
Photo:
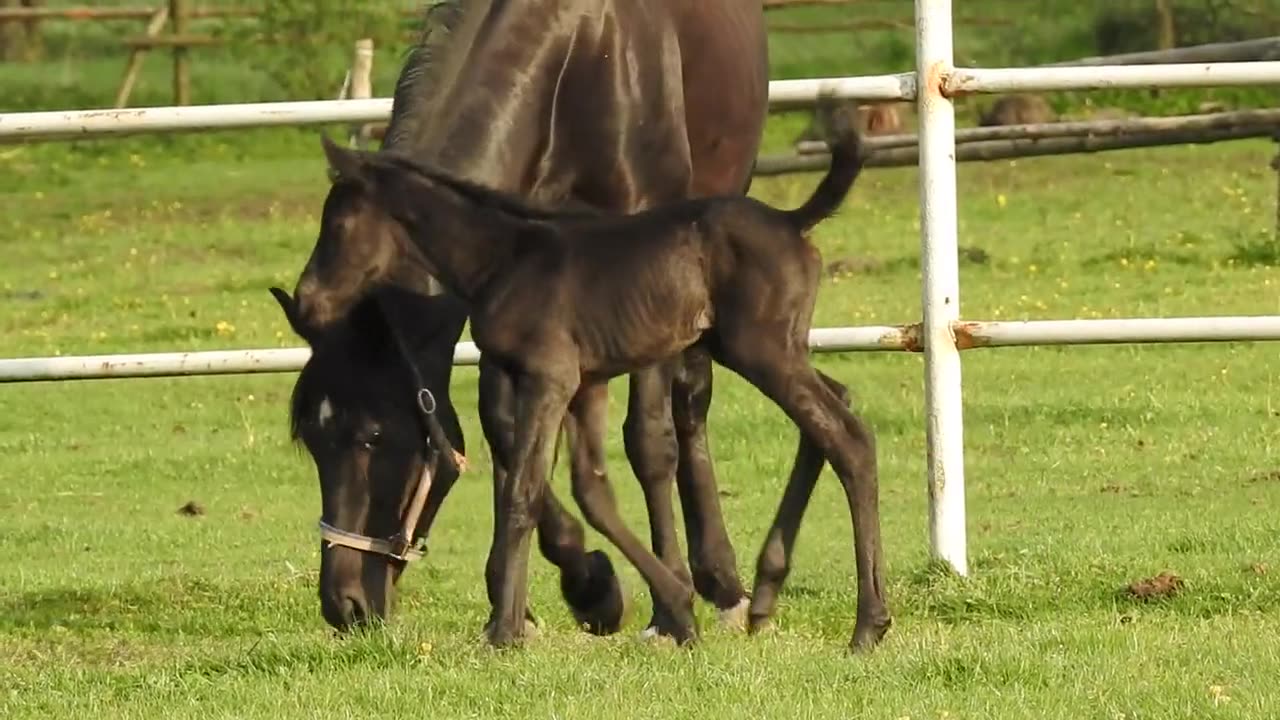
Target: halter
[404,545]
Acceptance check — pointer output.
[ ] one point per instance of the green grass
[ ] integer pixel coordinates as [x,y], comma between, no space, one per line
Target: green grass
[1087,468]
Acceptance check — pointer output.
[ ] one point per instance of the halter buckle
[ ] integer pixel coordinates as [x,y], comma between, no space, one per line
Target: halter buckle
[425,397]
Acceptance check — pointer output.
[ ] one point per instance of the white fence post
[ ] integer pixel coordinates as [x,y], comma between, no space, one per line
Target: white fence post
[940,293]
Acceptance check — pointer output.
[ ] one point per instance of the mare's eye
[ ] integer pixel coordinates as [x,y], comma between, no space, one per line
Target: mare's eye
[371,441]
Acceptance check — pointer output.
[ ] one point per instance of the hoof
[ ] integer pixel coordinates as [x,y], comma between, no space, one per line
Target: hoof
[760,611]
[735,617]
[760,625]
[597,607]
[499,638]
[651,634]
[682,630]
[866,636]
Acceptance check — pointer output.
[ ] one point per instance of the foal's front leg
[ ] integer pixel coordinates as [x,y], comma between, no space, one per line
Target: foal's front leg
[541,401]
[587,579]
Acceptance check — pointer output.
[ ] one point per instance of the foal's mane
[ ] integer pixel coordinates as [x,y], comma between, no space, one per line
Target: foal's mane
[510,204]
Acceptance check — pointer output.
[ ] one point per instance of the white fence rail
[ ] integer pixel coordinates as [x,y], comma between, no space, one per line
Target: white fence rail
[941,336]
[81,124]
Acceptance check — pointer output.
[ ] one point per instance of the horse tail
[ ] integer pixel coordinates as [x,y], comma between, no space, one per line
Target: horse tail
[848,155]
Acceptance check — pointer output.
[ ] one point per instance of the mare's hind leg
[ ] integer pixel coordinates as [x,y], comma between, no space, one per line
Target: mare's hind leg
[587,579]
[711,554]
[779,367]
[672,594]
[649,439]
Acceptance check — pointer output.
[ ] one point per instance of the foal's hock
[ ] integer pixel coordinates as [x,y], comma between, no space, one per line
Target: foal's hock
[566,301]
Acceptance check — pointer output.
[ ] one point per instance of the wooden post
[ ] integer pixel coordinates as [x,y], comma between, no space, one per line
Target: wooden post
[1167,35]
[181,58]
[1275,165]
[361,88]
[136,56]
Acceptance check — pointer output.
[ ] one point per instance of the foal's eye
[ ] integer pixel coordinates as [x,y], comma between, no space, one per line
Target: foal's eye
[370,441]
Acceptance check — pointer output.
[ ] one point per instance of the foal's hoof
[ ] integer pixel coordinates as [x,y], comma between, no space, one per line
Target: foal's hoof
[597,607]
[500,637]
[760,611]
[867,635]
[681,629]
[735,617]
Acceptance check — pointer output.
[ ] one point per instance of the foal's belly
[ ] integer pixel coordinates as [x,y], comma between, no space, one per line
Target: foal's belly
[637,314]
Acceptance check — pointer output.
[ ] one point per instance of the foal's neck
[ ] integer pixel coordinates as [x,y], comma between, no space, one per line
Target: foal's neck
[460,241]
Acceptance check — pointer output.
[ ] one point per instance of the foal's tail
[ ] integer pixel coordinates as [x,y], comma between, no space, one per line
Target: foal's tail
[848,155]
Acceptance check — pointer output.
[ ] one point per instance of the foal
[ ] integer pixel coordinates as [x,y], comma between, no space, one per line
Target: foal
[566,301]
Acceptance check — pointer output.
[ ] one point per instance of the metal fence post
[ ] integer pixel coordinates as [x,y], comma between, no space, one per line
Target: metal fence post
[941,285]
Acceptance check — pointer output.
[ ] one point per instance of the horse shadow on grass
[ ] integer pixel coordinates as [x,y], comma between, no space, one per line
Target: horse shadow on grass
[175,605]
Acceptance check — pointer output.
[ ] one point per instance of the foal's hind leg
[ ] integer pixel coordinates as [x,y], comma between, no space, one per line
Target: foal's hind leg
[781,370]
[711,554]
[587,579]
[774,561]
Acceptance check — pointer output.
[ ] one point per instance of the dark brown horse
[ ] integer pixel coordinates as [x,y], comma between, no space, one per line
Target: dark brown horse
[614,293]
[608,104]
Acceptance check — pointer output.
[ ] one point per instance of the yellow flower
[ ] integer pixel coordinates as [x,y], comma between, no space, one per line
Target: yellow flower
[225,328]
[1001,200]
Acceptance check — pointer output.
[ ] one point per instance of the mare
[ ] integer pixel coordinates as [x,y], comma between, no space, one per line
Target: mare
[609,104]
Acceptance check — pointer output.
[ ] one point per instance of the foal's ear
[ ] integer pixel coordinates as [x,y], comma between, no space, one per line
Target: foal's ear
[344,163]
[290,309]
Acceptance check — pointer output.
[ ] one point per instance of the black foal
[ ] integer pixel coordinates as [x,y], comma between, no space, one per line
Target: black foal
[565,301]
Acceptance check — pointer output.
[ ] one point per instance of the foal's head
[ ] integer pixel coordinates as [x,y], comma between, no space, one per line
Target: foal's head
[360,245]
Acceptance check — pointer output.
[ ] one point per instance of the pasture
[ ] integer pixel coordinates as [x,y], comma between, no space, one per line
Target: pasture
[1088,468]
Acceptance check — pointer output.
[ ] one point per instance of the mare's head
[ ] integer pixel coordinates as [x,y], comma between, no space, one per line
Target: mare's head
[354,408]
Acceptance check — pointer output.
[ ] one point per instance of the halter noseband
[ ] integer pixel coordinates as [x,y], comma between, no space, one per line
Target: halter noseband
[404,546]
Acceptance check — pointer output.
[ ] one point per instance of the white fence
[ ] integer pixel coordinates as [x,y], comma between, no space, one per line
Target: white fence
[940,336]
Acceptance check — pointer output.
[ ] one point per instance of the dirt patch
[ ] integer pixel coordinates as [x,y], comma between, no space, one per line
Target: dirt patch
[1164,585]
[854,265]
[191,509]
[1266,476]
[1259,568]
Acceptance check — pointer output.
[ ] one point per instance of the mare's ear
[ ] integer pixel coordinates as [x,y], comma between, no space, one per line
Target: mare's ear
[344,163]
[290,309]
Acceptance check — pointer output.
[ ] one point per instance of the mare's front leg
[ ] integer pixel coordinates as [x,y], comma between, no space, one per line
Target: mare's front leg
[711,554]
[541,399]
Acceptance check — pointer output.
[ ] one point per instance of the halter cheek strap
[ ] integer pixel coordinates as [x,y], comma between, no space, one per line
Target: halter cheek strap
[403,545]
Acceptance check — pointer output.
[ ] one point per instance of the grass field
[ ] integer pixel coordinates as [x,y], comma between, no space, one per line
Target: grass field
[1088,468]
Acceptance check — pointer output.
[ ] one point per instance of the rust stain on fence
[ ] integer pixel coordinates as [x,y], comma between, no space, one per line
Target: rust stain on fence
[969,335]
